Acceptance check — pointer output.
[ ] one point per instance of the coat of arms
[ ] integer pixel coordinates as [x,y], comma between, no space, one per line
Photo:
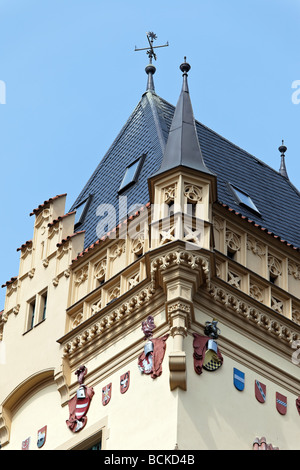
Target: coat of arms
[124,382]
[260,391]
[206,351]
[41,437]
[150,360]
[25,444]
[281,403]
[80,403]
[238,379]
[106,394]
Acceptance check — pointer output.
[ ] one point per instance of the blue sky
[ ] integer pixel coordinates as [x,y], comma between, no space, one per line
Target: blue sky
[72,79]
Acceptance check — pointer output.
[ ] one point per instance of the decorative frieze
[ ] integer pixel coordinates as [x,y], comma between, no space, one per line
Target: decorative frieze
[137,244]
[114,293]
[234,279]
[77,320]
[81,276]
[133,280]
[276,304]
[274,265]
[255,246]
[96,307]
[294,269]
[253,314]
[296,315]
[193,193]
[108,320]
[169,194]
[167,236]
[117,250]
[218,223]
[100,270]
[256,292]
[233,241]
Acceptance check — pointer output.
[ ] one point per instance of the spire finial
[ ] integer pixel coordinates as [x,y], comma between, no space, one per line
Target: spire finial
[185,68]
[150,69]
[282,170]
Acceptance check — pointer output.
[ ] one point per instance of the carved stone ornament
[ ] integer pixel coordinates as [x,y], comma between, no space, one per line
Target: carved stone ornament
[233,241]
[193,193]
[275,266]
[150,360]
[80,403]
[169,194]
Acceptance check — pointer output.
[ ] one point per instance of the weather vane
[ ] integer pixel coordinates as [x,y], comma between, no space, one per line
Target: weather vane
[151,54]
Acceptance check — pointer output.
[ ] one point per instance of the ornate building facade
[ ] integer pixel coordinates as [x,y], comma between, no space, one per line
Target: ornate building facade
[166,299]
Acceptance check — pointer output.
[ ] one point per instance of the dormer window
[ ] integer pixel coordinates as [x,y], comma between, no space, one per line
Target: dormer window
[244,199]
[81,211]
[132,173]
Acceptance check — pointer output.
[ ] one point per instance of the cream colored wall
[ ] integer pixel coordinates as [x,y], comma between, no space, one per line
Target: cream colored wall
[134,420]
[215,415]
[41,409]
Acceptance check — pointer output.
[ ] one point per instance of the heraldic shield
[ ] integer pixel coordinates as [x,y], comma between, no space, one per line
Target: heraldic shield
[238,379]
[106,394]
[281,403]
[25,444]
[41,437]
[260,391]
[124,382]
[150,360]
[206,354]
[80,403]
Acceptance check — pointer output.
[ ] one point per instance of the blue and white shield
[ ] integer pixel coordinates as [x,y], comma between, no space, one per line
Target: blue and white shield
[238,379]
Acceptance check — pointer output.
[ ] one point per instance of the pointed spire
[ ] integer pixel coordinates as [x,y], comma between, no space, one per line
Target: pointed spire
[182,148]
[282,170]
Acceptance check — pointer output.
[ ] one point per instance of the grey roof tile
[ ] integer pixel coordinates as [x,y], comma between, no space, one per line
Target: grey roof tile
[146,132]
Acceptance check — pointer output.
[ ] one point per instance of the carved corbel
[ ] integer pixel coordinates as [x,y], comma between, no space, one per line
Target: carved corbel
[62,387]
[179,317]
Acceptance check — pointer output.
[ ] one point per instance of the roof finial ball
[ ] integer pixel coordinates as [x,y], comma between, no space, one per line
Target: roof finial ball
[282,170]
[282,149]
[185,67]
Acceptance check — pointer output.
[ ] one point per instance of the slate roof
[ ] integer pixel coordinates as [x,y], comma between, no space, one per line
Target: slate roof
[146,132]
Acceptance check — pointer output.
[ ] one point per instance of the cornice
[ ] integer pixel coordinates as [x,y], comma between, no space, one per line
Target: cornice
[257,321]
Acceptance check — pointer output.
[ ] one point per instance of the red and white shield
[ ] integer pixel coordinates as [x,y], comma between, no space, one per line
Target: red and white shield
[260,391]
[25,444]
[78,408]
[281,403]
[106,394]
[82,407]
[124,382]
